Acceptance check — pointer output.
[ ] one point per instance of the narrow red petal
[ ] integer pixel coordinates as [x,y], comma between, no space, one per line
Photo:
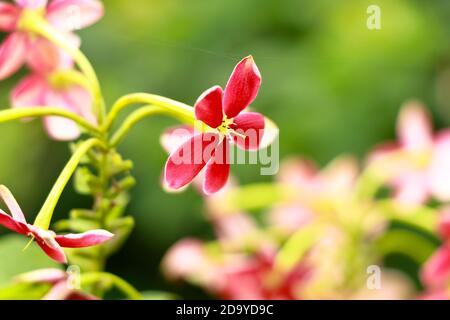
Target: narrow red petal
[8,222]
[251,125]
[242,88]
[189,159]
[218,169]
[54,251]
[208,107]
[82,240]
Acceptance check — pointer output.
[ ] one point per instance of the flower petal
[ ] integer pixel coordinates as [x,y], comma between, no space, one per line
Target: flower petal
[86,239]
[174,137]
[251,125]
[58,128]
[81,102]
[189,159]
[436,270]
[8,222]
[218,169]
[411,189]
[32,4]
[439,173]
[68,15]
[51,275]
[414,127]
[29,92]
[43,56]
[12,54]
[242,88]
[208,107]
[61,129]
[9,14]
[12,204]
[185,259]
[54,251]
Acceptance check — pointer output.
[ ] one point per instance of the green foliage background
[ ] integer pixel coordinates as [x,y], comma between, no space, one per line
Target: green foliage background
[331,85]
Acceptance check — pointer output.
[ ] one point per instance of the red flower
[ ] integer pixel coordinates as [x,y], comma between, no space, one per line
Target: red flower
[221,112]
[48,241]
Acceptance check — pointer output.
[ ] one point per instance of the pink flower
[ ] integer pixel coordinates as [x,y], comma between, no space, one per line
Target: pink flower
[59,280]
[436,271]
[49,242]
[21,47]
[417,166]
[256,278]
[222,112]
[40,90]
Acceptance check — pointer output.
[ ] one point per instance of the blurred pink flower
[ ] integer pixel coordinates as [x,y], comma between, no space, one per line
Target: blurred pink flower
[41,55]
[38,90]
[436,271]
[417,166]
[256,278]
[49,242]
[233,276]
[310,185]
[59,280]
[221,111]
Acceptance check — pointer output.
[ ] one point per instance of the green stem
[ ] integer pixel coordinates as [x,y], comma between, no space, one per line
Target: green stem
[95,277]
[23,113]
[131,121]
[180,110]
[32,22]
[44,217]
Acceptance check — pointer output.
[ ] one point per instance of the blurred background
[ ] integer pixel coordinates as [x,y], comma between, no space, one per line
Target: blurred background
[330,84]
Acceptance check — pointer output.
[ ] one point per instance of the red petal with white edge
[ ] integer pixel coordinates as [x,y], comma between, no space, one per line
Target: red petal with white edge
[414,127]
[189,159]
[69,15]
[8,222]
[29,92]
[8,16]
[242,88]
[12,204]
[43,56]
[218,169]
[82,240]
[174,137]
[31,4]
[251,126]
[436,270]
[208,107]
[12,54]
[54,251]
